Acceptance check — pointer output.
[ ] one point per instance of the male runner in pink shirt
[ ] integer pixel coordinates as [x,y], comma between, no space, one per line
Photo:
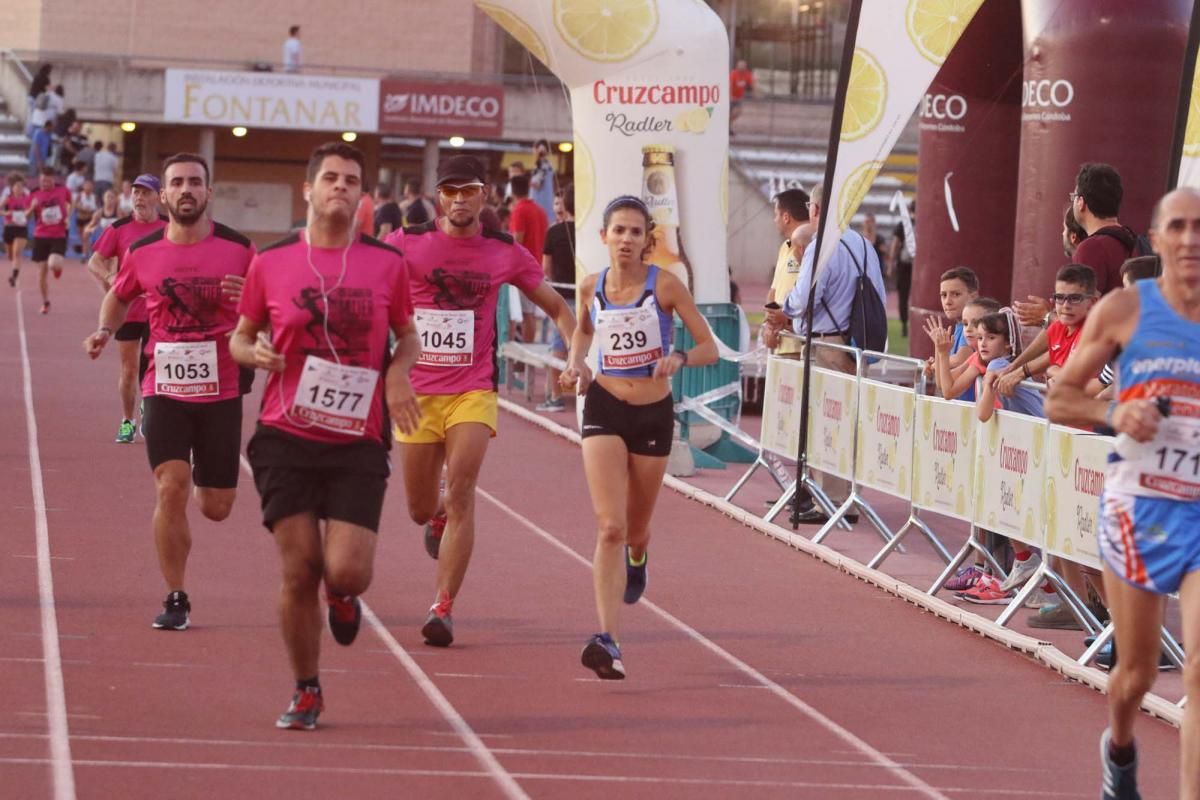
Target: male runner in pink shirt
[191,272]
[329,296]
[50,205]
[104,263]
[457,270]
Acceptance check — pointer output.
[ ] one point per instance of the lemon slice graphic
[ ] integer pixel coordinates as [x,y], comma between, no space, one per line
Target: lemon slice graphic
[518,28]
[866,96]
[854,189]
[606,30]
[935,25]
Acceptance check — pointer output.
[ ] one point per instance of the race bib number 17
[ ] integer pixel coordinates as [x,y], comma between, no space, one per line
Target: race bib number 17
[335,397]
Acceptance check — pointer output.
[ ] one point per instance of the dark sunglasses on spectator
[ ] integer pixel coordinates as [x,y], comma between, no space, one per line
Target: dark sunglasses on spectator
[1070,299]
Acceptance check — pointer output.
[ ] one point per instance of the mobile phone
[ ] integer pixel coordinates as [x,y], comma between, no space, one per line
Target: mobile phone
[772,306]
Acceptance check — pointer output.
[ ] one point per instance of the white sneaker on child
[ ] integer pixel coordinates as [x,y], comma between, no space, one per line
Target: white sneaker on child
[1021,572]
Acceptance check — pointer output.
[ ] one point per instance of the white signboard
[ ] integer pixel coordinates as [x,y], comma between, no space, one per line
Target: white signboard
[781,407]
[885,438]
[1074,480]
[271,100]
[831,419]
[1010,471]
[944,457]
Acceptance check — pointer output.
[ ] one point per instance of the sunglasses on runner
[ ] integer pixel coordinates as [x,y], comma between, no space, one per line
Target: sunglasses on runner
[466,192]
[1070,299]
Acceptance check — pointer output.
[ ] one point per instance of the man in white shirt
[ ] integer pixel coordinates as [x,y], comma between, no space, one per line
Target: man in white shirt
[104,169]
[292,50]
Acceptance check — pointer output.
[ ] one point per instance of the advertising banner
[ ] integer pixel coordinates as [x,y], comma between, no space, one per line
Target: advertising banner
[885,438]
[781,407]
[944,457]
[1189,157]
[650,101]
[271,100]
[1075,478]
[1009,470]
[831,421]
[422,107]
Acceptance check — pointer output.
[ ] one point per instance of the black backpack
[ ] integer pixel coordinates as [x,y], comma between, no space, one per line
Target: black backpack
[868,323]
[1138,244]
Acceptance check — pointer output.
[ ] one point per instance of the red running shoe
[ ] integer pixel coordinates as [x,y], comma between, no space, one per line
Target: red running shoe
[302,714]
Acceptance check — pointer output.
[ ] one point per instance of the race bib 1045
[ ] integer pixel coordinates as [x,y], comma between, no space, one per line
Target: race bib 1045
[186,369]
[447,337]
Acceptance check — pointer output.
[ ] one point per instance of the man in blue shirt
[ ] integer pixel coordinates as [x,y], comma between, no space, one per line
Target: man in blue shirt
[835,288]
[541,179]
[39,148]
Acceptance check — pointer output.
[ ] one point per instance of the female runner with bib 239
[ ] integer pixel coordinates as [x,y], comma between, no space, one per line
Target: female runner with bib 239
[628,412]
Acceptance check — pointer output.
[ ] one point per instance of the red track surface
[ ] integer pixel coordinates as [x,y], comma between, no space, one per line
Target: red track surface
[753,670]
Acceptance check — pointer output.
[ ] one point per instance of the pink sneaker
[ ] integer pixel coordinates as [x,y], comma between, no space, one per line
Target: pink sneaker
[987,593]
[964,579]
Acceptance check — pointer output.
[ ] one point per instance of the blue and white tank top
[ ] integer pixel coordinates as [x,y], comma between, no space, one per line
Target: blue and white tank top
[632,338]
[1162,359]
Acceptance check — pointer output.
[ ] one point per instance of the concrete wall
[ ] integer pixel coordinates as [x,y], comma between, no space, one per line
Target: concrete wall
[753,242]
[20,25]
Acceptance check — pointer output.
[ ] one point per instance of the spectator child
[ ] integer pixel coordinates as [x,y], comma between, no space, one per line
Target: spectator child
[1074,296]
[956,382]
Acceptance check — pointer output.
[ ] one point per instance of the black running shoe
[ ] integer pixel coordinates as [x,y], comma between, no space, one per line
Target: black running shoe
[1120,783]
[345,617]
[438,629]
[602,655]
[175,613]
[433,534]
[302,714]
[635,578]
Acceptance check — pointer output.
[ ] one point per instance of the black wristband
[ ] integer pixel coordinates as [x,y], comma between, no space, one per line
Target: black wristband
[682,354]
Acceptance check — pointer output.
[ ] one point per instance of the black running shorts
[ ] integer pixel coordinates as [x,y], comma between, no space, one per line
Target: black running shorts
[209,435]
[44,248]
[344,482]
[131,332]
[14,232]
[647,429]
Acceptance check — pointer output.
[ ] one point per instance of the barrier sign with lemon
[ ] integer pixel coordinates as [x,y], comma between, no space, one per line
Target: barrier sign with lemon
[1010,469]
[649,98]
[944,457]
[1074,481]
[885,438]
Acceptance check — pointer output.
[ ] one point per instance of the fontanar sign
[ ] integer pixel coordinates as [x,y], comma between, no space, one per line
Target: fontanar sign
[271,100]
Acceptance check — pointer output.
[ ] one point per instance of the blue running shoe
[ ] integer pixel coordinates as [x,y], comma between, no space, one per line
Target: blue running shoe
[1120,783]
[635,577]
[602,655]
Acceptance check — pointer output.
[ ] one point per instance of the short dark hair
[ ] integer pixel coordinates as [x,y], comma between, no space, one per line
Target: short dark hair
[568,198]
[964,274]
[1073,227]
[99,145]
[384,191]
[1141,268]
[794,202]
[1100,187]
[1080,275]
[48,171]
[412,185]
[339,149]
[989,304]
[185,158]
[292,31]
[520,185]
[542,141]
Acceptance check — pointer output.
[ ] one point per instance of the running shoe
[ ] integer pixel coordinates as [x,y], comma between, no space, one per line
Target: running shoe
[126,432]
[1120,783]
[1107,656]
[57,272]
[1021,572]
[635,577]
[175,612]
[987,593]
[1056,617]
[345,617]
[12,280]
[438,629]
[964,579]
[433,534]
[1040,598]
[602,655]
[303,711]
[551,404]
[46,307]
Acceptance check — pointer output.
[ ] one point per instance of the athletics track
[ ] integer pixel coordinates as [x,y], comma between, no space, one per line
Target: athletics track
[754,671]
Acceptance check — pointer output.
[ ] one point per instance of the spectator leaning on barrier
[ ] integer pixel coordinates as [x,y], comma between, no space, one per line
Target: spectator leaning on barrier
[558,263]
[793,223]
[953,383]
[957,288]
[830,323]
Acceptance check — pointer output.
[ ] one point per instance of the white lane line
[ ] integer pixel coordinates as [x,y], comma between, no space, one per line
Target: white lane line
[483,755]
[544,776]
[284,743]
[56,696]
[812,713]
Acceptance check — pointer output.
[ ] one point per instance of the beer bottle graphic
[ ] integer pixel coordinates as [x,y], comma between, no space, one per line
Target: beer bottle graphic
[659,194]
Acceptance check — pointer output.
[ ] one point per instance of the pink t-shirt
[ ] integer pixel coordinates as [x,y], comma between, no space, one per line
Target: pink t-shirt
[113,243]
[455,287]
[52,208]
[16,209]
[185,304]
[348,327]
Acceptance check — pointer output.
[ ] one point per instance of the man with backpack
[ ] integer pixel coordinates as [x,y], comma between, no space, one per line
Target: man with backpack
[1096,202]
[848,310]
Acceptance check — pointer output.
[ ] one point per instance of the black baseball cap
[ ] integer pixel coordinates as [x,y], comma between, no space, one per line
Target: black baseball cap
[461,170]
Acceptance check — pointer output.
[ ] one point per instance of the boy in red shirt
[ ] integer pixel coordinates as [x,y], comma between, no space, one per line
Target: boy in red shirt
[1074,296]
[528,225]
[741,84]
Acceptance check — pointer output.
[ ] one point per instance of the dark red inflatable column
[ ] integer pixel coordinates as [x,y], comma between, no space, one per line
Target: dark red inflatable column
[1101,84]
[967,172]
